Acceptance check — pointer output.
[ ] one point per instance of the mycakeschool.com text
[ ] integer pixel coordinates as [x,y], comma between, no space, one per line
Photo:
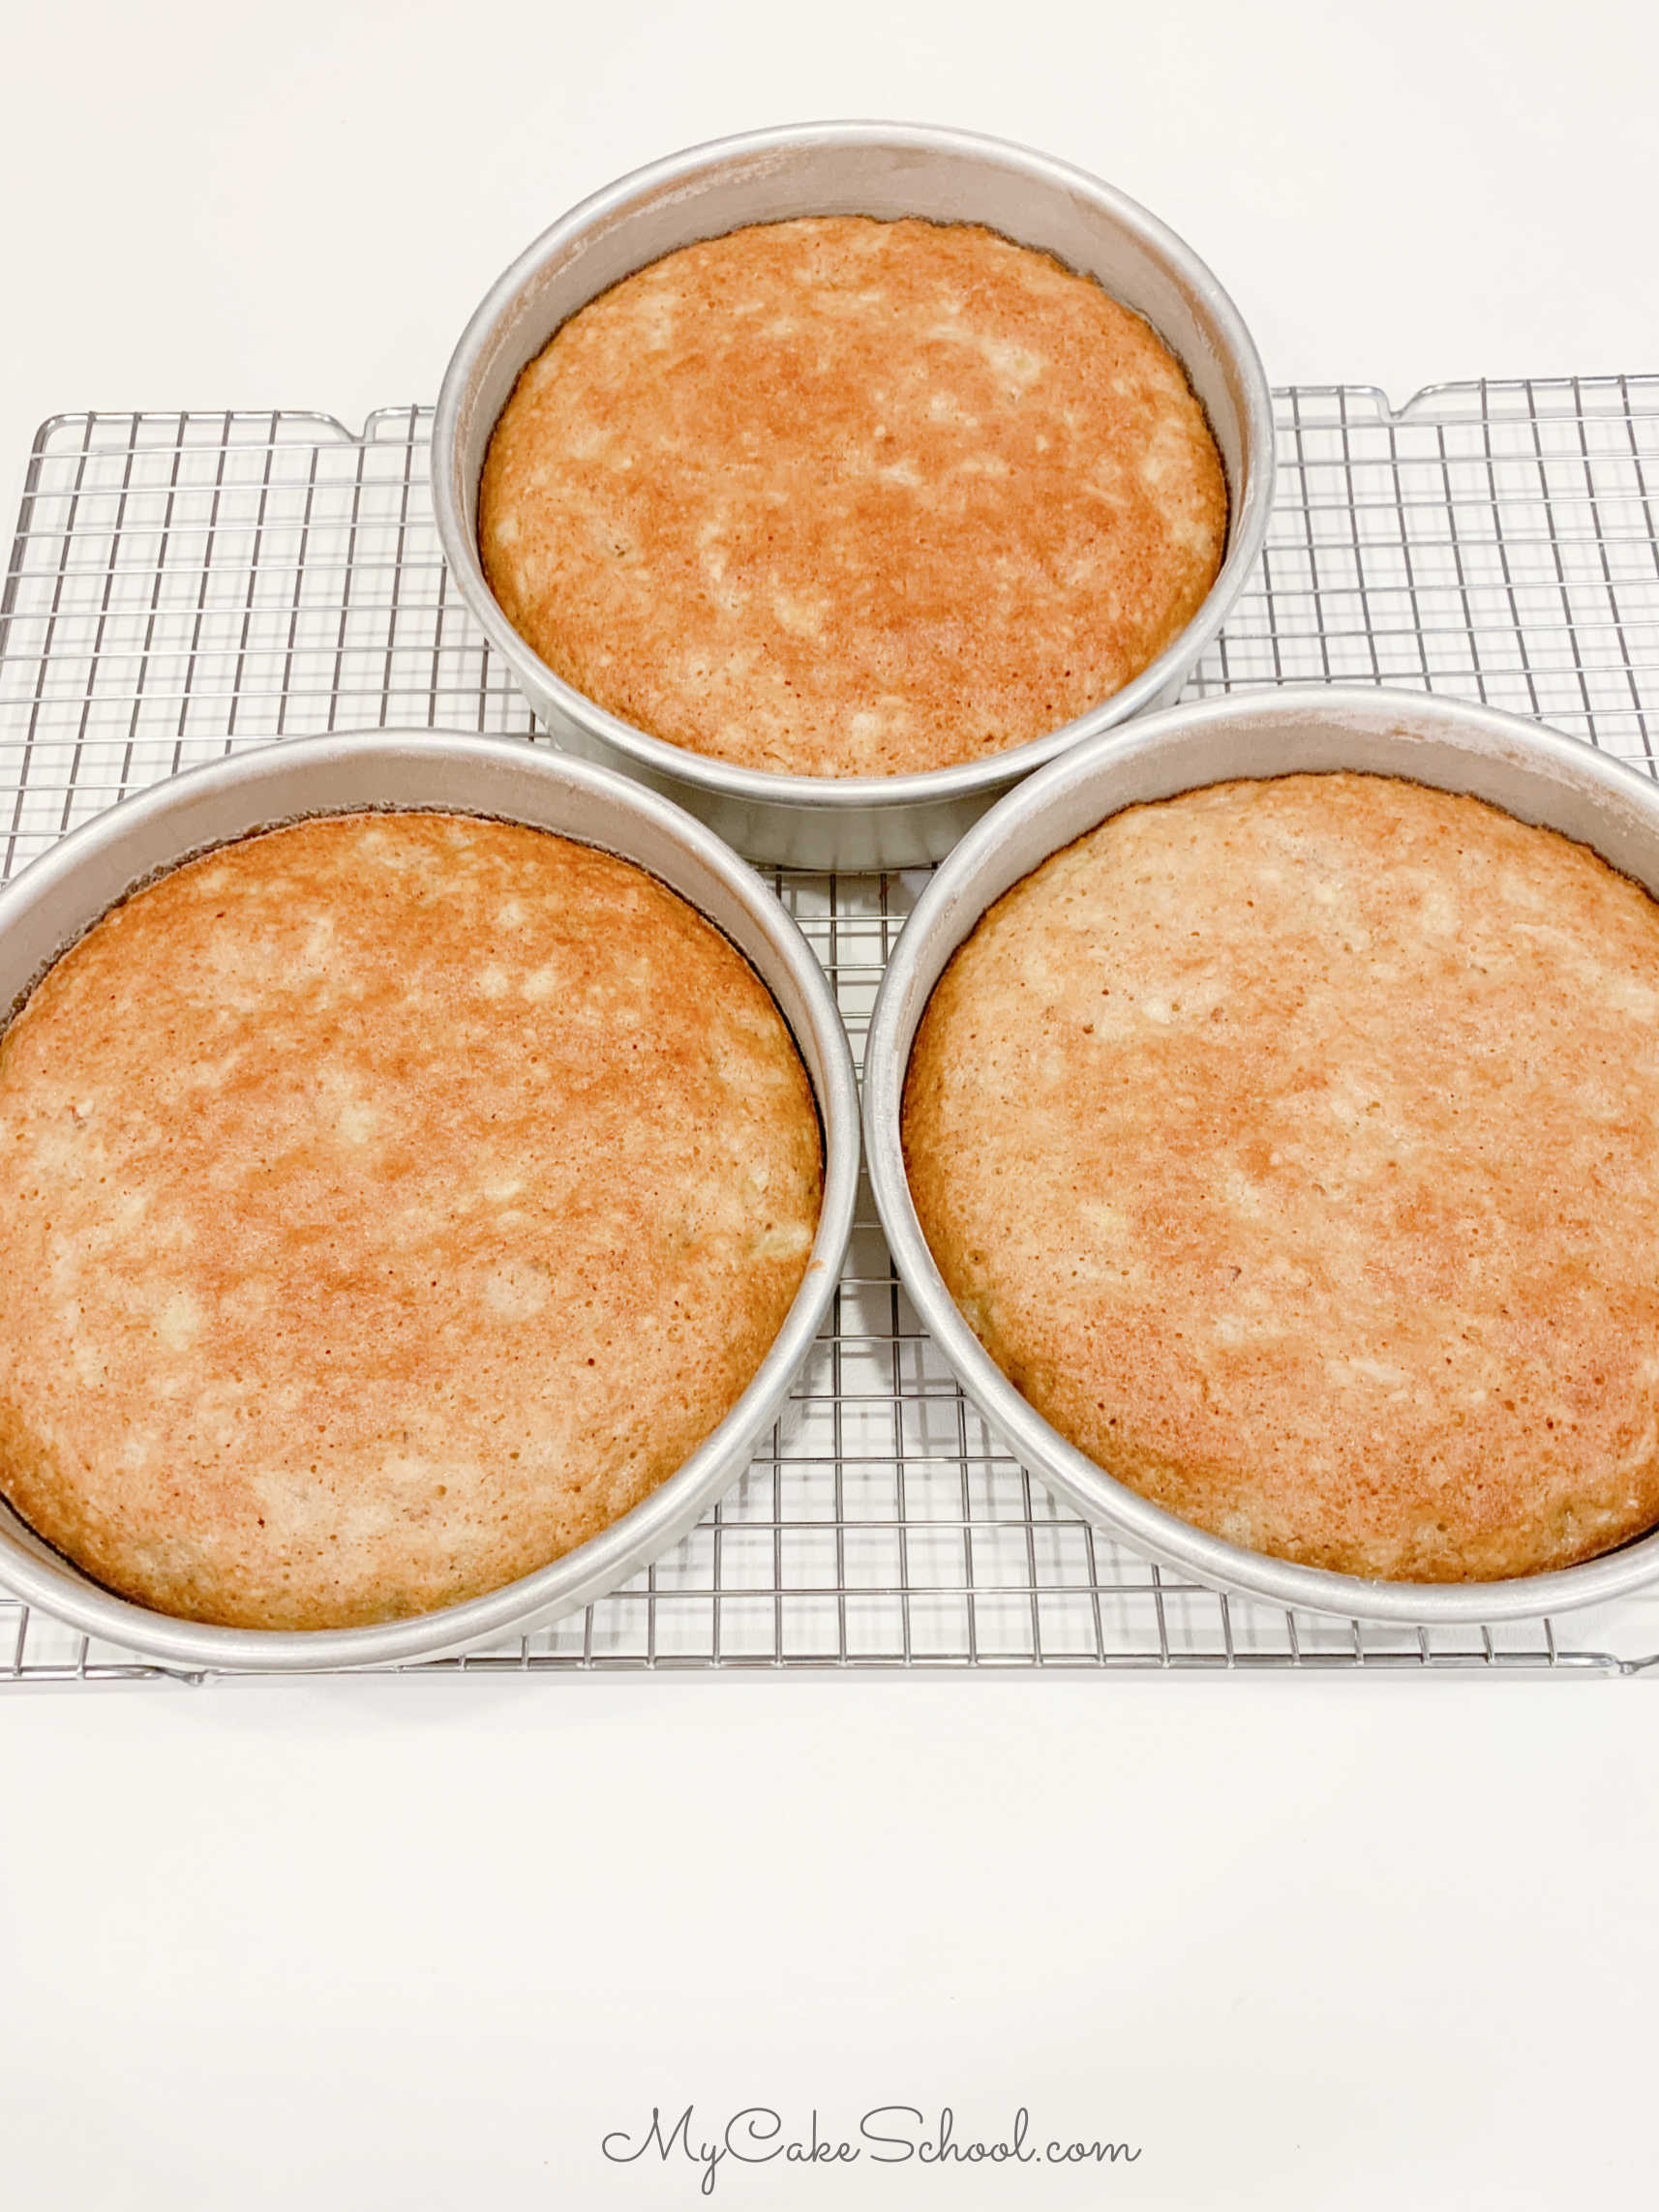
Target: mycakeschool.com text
[887,2134]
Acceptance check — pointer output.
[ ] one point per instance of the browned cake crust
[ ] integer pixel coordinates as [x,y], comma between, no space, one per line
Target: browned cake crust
[844,498]
[387,1203]
[1293,1147]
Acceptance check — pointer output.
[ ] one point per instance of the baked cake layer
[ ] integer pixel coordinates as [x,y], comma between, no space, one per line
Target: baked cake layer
[843,497]
[387,1205]
[1293,1146]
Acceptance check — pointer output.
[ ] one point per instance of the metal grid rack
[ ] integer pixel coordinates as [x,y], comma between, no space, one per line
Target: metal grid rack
[185,585]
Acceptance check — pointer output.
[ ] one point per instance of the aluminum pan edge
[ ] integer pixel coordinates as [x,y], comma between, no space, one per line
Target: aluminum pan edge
[56,897]
[857,821]
[1532,772]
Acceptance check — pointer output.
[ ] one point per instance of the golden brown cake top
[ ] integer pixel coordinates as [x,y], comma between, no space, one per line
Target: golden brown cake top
[1293,1146]
[387,1203]
[846,498]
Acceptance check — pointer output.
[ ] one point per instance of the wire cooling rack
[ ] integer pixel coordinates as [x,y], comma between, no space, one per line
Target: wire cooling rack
[185,585]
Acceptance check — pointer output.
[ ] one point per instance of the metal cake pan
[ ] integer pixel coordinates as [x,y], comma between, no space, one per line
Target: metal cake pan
[55,900]
[1531,772]
[884,170]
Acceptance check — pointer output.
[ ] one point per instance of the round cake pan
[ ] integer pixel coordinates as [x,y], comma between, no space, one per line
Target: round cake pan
[1531,772]
[56,899]
[885,169]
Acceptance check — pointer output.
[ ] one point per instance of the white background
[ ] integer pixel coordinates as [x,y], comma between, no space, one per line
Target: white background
[1307,1943]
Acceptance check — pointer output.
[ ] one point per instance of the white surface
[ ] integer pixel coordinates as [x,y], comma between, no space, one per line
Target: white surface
[422,1943]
